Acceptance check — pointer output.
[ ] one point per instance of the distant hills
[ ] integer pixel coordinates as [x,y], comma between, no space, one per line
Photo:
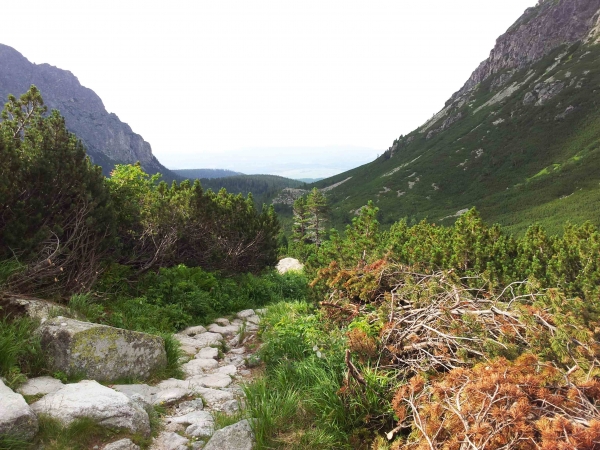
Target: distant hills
[520,140]
[193,174]
[108,140]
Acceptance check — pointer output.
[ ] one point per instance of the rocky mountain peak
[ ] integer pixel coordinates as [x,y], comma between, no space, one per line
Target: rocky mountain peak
[107,139]
[538,31]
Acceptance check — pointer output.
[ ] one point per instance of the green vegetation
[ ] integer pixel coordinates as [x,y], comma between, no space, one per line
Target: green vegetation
[197,174]
[20,350]
[264,188]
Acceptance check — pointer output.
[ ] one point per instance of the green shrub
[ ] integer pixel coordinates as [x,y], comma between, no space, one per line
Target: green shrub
[20,350]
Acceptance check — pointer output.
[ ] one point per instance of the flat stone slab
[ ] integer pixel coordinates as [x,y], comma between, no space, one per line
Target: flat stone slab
[100,352]
[227,370]
[208,353]
[40,386]
[238,436]
[254,319]
[222,321]
[167,440]
[208,339]
[199,423]
[228,330]
[237,351]
[193,331]
[169,396]
[122,444]
[89,399]
[143,390]
[17,419]
[245,314]
[214,397]
[198,366]
[214,380]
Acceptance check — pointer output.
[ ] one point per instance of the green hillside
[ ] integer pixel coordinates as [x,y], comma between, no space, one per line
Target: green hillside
[522,147]
[205,173]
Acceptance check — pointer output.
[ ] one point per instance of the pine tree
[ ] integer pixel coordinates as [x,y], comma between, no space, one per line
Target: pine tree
[316,204]
[301,219]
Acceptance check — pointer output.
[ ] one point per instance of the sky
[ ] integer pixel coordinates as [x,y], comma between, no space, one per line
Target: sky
[288,87]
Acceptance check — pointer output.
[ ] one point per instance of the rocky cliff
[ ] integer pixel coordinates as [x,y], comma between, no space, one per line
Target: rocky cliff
[107,139]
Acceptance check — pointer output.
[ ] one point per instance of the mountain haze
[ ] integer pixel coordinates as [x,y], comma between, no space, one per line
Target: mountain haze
[520,140]
[108,140]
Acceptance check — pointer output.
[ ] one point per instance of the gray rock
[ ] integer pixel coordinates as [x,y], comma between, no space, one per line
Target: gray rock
[35,308]
[193,331]
[229,407]
[122,444]
[188,406]
[199,423]
[17,419]
[167,440]
[207,353]
[237,351]
[289,264]
[198,445]
[170,396]
[227,370]
[208,339]
[198,366]
[214,380]
[245,314]
[238,436]
[143,390]
[222,321]
[254,319]
[213,397]
[100,352]
[89,399]
[226,331]
[40,385]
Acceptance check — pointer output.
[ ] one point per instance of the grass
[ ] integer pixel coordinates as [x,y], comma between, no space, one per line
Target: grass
[298,402]
[20,350]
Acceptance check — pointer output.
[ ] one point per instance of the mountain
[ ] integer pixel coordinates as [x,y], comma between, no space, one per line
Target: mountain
[520,140]
[205,173]
[107,139]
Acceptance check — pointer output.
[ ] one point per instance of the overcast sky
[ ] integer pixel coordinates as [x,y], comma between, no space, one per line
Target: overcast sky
[199,78]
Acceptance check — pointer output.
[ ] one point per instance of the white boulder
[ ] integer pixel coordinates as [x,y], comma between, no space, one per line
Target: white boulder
[89,399]
[289,264]
[40,386]
[17,419]
[238,436]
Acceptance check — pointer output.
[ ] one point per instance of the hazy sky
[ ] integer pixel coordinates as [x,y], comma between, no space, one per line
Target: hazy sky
[196,78]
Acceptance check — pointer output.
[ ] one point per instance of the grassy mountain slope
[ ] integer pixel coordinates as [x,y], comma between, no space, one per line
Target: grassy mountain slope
[522,146]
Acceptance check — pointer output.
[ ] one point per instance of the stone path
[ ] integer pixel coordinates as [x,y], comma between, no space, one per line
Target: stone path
[215,364]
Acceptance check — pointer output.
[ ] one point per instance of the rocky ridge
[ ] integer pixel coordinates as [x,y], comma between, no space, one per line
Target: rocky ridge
[107,139]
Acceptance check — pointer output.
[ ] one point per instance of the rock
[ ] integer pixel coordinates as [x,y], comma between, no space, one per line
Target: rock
[101,352]
[146,392]
[238,351]
[245,314]
[229,330]
[198,445]
[227,370]
[214,397]
[193,331]
[188,406]
[170,396]
[40,386]
[223,322]
[198,366]
[289,264]
[17,419]
[215,380]
[188,345]
[238,436]
[122,444]
[254,319]
[229,407]
[167,440]
[199,423]
[16,306]
[89,399]
[207,353]
[208,339]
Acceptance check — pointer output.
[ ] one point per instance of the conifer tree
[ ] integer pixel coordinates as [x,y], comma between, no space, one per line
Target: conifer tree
[316,204]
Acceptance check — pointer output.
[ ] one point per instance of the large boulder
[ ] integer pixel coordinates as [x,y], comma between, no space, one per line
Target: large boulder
[101,352]
[289,264]
[19,306]
[238,436]
[89,399]
[17,420]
